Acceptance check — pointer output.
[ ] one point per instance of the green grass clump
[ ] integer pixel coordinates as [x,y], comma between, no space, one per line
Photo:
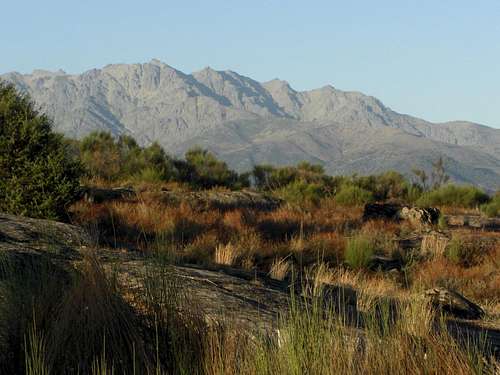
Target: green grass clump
[454,195]
[351,195]
[359,252]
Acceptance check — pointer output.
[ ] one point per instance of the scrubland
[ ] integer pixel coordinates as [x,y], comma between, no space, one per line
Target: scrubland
[322,244]
[90,319]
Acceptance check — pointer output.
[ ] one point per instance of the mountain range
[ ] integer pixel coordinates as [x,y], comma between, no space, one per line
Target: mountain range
[246,122]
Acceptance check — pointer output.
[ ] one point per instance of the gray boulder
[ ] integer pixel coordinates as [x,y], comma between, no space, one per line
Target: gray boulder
[420,217]
[454,303]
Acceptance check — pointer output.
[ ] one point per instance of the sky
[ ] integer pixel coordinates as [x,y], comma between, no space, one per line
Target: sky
[438,60]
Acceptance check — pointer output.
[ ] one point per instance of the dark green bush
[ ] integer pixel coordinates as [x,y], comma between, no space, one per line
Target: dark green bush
[492,208]
[351,195]
[123,159]
[454,195]
[38,176]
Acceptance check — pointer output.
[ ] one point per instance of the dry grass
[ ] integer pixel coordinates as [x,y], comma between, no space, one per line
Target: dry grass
[280,268]
[434,244]
[226,254]
[165,337]
[481,283]
[312,240]
[259,240]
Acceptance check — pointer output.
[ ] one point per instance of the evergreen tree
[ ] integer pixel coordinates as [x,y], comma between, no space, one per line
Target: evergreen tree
[38,177]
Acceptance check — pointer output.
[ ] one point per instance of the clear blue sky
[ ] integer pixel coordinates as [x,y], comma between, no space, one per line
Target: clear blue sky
[437,59]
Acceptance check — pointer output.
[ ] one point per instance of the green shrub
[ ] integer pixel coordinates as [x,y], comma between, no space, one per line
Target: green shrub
[206,171]
[389,185]
[359,252]
[455,251]
[101,156]
[268,177]
[150,175]
[492,209]
[38,177]
[112,159]
[301,192]
[453,195]
[351,195]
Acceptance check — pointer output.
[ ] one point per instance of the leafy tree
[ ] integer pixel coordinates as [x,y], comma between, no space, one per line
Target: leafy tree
[268,177]
[262,176]
[38,176]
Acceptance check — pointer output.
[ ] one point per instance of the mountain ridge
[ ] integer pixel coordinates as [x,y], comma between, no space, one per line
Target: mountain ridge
[246,122]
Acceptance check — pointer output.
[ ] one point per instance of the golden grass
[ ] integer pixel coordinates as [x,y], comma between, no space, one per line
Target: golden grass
[481,282]
[316,238]
[280,268]
[434,244]
[226,254]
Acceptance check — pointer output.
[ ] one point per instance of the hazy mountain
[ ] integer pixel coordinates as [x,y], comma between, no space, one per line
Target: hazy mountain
[247,122]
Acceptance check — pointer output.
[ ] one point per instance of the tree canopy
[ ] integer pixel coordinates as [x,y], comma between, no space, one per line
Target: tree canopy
[38,176]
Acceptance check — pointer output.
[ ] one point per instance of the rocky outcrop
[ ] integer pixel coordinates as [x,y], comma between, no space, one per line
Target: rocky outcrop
[35,236]
[199,200]
[454,303]
[221,200]
[100,195]
[473,221]
[420,217]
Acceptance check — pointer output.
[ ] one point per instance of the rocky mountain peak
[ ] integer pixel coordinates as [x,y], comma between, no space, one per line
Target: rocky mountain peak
[247,122]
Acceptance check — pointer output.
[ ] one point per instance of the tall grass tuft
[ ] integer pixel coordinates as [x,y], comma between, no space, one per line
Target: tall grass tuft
[280,268]
[359,251]
[225,254]
[35,357]
[92,313]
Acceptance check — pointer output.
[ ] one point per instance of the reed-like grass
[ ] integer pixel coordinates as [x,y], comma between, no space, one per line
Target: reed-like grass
[95,331]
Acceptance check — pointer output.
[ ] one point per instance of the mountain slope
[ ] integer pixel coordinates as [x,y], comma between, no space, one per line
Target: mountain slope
[246,122]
